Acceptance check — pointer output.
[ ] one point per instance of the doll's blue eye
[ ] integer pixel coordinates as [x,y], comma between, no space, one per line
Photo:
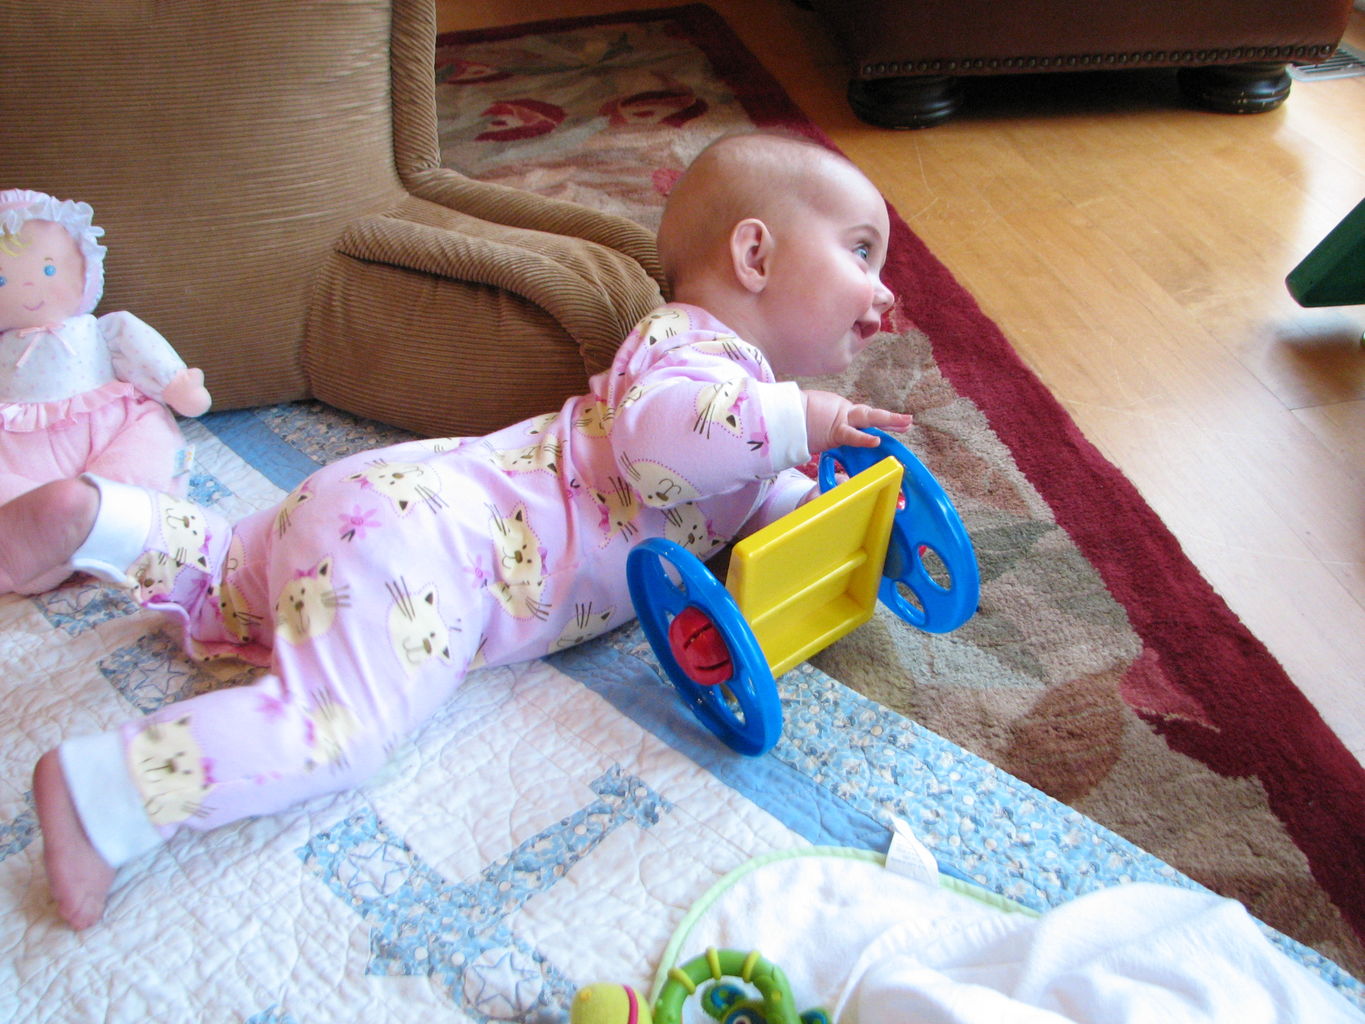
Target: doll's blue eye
[50,270]
[2,281]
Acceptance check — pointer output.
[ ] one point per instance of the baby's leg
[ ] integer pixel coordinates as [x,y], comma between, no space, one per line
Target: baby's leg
[41,529]
[105,800]
[370,633]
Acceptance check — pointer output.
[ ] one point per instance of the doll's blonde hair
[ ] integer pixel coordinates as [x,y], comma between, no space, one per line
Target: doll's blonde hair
[10,243]
[18,206]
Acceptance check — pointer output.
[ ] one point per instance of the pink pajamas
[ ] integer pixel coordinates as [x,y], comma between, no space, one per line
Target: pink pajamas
[375,586]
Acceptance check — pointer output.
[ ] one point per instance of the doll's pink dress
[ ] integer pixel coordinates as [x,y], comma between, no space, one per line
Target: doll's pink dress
[85,397]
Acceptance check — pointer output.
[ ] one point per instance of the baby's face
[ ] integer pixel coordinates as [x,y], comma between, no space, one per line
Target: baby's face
[826,298]
[42,280]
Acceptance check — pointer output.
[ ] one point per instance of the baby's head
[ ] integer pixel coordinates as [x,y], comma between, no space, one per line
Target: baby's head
[47,245]
[782,240]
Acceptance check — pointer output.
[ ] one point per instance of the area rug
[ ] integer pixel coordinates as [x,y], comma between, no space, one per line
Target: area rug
[1101,667]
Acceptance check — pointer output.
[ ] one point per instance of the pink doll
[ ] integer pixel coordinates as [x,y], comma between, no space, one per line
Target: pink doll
[78,393]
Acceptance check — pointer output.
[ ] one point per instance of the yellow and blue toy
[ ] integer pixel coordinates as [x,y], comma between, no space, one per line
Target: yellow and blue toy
[799,584]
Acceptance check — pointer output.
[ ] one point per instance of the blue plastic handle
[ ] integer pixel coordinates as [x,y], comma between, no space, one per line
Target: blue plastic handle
[928,521]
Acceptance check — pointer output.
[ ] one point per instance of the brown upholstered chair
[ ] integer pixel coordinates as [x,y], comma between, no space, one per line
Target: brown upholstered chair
[907,56]
[269,179]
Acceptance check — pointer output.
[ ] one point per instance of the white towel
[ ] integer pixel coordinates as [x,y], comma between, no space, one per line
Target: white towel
[876,947]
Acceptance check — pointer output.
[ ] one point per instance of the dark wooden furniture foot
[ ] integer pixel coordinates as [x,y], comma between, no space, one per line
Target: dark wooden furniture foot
[1236,88]
[916,101]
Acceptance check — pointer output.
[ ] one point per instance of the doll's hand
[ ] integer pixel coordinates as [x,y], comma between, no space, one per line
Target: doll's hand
[832,420]
[186,393]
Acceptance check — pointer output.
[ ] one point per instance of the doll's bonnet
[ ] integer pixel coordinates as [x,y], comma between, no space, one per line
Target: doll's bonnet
[18,205]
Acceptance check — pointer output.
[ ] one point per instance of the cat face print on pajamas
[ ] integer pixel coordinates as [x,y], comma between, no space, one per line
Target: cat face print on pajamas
[284,517]
[731,347]
[662,324]
[182,531]
[169,771]
[686,524]
[658,486]
[620,510]
[329,727]
[407,485]
[718,406]
[587,622]
[154,574]
[518,580]
[239,618]
[417,632]
[307,606]
[178,543]
[543,457]
[594,420]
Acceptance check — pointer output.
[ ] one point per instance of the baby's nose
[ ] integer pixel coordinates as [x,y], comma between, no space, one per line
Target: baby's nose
[883,298]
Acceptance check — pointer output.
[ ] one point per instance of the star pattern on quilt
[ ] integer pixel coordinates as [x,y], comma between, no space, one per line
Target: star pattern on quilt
[78,609]
[459,933]
[151,672]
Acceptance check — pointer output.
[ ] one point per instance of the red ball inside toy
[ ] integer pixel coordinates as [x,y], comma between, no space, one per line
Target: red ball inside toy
[699,648]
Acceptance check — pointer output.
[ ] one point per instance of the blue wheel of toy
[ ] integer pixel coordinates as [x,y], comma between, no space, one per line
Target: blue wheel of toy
[927,527]
[744,711]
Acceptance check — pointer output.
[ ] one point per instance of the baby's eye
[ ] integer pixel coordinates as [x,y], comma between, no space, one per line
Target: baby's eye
[2,280]
[50,270]
[863,250]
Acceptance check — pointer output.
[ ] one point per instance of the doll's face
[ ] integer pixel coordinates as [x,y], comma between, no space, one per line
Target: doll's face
[42,276]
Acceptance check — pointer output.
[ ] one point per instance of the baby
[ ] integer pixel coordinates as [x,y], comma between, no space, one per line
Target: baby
[374,587]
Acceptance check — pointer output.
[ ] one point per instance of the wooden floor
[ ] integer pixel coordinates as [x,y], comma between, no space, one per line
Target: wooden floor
[1135,252]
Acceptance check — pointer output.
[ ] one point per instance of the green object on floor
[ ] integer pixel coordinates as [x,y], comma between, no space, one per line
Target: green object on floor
[1333,274]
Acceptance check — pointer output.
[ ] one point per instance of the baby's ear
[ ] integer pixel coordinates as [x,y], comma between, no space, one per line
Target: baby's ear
[751,245]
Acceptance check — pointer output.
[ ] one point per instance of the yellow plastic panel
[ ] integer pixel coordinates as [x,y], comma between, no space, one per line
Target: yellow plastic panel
[812,576]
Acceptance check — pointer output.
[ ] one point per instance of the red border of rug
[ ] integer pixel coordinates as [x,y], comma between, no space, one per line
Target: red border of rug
[1313,783]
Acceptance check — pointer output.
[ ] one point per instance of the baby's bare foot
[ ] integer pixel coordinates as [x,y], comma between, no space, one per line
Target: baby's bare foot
[77,875]
[40,530]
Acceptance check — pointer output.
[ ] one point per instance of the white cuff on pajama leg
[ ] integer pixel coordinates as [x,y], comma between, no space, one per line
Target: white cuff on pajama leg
[120,532]
[106,801]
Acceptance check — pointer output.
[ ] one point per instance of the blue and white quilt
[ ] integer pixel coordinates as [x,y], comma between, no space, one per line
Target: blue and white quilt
[550,828]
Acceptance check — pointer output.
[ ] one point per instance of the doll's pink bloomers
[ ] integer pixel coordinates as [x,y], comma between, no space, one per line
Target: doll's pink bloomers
[79,393]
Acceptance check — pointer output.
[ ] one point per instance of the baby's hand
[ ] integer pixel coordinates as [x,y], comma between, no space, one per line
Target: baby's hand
[186,393]
[832,420]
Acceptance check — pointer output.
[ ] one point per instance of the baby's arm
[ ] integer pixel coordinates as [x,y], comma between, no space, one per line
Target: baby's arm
[832,420]
[702,412]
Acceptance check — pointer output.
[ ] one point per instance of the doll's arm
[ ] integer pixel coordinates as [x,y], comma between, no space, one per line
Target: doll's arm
[186,393]
[145,359]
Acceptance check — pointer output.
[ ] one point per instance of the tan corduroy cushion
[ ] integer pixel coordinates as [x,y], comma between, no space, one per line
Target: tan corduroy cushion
[269,177]
[449,325]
